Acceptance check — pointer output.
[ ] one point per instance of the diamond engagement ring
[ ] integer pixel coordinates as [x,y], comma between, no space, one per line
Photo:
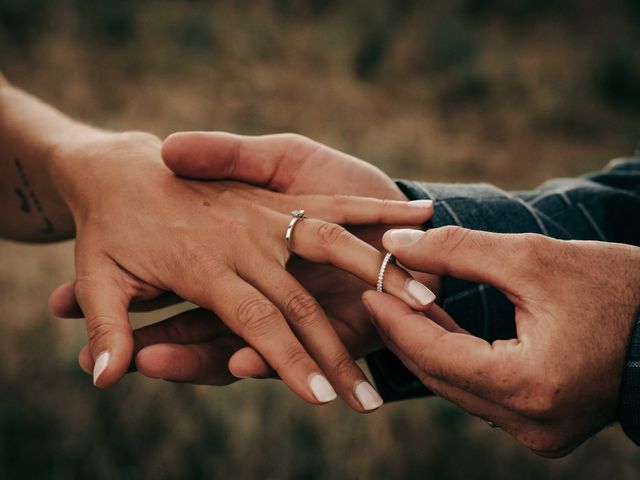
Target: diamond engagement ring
[387,258]
[298,215]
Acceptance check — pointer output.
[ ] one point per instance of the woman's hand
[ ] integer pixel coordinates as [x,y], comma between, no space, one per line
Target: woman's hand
[295,164]
[142,231]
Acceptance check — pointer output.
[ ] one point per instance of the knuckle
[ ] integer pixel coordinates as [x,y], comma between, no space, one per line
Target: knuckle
[386,204]
[295,138]
[341,364]
[530,247]
[199,255]
[302,309]
[174,333]
[192,251]
[451,236]
[329,234]
[100,328]
[201,367]
[139,138]
[340,205]
[293,355]
[539,400]
[340,200]
[426,363]
[257,316]
[83,287]
[427,367]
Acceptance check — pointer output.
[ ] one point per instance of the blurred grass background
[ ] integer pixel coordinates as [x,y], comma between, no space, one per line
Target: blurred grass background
[510,92]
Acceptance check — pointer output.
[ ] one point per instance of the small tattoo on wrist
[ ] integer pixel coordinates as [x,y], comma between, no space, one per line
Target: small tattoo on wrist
[29,201]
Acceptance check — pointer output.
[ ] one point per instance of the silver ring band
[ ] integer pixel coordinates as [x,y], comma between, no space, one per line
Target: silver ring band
[387,258]
[298,215]
[493,425]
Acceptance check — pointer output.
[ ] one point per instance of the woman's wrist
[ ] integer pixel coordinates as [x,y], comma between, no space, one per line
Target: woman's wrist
[89,165]
[53,166]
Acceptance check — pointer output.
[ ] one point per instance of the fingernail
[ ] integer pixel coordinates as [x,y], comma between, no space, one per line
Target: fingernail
[102,362]
[367,396]
[321,388]
[404,236]
[421,203]
[419,292]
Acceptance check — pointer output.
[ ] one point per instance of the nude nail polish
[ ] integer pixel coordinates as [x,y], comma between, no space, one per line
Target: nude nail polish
[419,292]
[404,236]
[367,396]
[102,362]
[321,388]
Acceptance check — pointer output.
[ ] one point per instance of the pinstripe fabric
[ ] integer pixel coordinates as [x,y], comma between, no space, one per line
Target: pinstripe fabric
[603,206]
[629,410]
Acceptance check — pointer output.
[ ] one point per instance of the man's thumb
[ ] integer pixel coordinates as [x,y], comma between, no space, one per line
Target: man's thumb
[268,161]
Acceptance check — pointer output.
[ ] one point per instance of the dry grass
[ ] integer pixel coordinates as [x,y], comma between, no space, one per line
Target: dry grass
[453,91]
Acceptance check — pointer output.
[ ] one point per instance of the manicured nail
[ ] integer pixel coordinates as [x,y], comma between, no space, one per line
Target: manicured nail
[404,236]
[321,388]
[102,362]
[421,203]
[419,292]
[367,396]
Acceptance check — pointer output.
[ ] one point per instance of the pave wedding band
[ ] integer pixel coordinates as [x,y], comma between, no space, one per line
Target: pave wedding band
[298,215]
[387,258]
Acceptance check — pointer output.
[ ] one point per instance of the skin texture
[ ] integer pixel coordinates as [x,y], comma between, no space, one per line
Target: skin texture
[286,163]
[296,165]
[551,388]
[198,240]
[141,232]
[558,382]
[33,209]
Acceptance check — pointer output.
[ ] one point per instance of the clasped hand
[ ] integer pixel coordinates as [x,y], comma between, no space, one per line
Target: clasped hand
[552,387]
[141,231]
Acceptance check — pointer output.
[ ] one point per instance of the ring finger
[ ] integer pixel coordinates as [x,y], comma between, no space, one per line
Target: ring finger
[323,242]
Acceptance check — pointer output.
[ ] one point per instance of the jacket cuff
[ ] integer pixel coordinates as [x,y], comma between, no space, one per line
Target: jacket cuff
[629,408]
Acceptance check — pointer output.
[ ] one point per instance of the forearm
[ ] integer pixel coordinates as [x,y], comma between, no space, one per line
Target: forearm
[31,134]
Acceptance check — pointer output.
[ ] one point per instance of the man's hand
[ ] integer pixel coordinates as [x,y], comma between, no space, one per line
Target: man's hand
[558,382]
[286,163]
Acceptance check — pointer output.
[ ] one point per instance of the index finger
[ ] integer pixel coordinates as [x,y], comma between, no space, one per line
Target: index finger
[460,359]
